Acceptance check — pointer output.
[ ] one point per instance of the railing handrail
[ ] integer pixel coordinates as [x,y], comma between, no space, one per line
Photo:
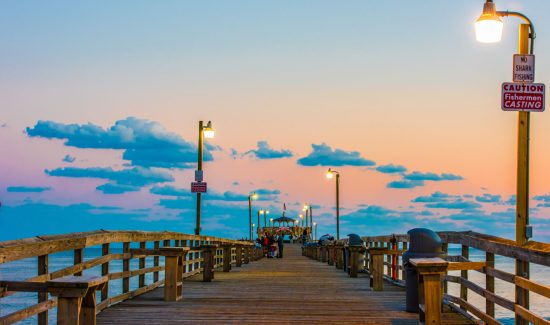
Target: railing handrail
[14,250]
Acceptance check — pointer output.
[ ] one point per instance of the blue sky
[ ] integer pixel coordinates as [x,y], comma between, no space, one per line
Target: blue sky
[100,104]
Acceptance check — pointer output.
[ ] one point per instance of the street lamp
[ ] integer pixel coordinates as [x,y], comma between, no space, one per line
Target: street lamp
[208,133]
[302,220]
[271,222]
[489,29]
[250,198]
[330,175]
[252,229]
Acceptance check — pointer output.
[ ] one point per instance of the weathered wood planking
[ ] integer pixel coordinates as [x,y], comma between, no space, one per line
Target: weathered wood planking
[293,290]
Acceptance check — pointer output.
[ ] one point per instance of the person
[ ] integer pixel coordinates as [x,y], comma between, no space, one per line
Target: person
[280,241]
[304,237]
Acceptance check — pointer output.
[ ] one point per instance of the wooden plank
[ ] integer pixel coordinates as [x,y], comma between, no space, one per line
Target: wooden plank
[141,279]
[156,261]
[465,266]
[490,285]
[299,291]
[105,251]
[27,312]
[530,316]
[532,286]
[472,309]
[464,273]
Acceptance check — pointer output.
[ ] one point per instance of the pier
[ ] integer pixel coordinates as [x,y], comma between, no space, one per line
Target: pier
[201,279]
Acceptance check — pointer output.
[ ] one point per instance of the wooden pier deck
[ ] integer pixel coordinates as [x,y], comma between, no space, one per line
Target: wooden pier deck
[294,290]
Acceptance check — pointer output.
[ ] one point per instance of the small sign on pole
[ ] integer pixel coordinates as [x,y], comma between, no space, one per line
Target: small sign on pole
[198,187]
[523,97]
[523,69]
[198,175]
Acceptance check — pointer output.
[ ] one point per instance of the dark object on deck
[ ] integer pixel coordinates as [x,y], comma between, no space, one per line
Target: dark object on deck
[354,239]
[424,243]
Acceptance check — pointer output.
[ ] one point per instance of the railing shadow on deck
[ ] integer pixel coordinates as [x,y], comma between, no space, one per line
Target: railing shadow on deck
[380,257]
[136,245]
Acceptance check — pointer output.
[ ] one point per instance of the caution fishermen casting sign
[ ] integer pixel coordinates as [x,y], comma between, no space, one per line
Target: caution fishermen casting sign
[523,97]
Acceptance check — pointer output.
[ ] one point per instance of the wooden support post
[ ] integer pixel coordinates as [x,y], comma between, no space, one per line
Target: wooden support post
[76,298]
[324,253]
[490,284]
[403,273]
[78,258]
[339,256]
[246,254]
[208,252]
[464,274]
[377,268]
[172,278]
[126,268]
[142,266]
[330,254]
[239,256]
[105,250]
[354,253]
[227,257]
[388,260]
[43,296]
[156,261]
[430,274]
[445,249]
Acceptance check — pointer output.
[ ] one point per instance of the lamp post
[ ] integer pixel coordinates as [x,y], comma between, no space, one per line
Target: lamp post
[208,133]
[252,228]
[250,197]
[315,225]
[271,222]
[330,175]
[489,30]
[301,220]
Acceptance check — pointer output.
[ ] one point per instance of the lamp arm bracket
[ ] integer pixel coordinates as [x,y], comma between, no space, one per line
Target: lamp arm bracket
[532,34]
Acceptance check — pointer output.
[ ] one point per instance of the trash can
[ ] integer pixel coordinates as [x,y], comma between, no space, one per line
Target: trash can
[353,240]
[423,243]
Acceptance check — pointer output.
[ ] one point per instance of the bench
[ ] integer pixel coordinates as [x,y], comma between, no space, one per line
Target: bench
[76,296]
[174,268]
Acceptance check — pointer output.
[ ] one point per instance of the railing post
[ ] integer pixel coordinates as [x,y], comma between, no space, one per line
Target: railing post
[239,255]
[208,254]
[430,273]
[403,273]
[339,256]
[142,266]
[126,268]
[227,257]
[388,259]
[246,254]
[173,285]
[324,253]
[330,253]
[105,250]
[490,284]
[464,274]
[394,260]
[78,257]
[445,249]
[377,268]
[43,296]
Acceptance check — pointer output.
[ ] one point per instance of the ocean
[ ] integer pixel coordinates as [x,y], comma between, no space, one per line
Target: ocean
[23,269]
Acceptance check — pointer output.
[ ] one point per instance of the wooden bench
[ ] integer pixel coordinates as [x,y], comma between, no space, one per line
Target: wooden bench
[173,274]
[376,265]
[76,296]
[430,293]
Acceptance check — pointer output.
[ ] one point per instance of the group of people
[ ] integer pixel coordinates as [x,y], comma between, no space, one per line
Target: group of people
[272,244]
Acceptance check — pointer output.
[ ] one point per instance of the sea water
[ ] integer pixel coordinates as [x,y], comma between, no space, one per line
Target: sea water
[26,268]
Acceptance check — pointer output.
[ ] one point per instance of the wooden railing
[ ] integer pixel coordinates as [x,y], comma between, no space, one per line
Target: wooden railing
[131,242]
[382,260]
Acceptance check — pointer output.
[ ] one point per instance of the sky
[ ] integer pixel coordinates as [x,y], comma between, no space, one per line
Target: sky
[100,103]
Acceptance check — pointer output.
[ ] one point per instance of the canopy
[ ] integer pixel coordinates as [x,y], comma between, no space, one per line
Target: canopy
[283,219]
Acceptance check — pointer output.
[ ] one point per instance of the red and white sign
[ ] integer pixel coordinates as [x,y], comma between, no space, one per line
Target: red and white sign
[198,187]
[523,97]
